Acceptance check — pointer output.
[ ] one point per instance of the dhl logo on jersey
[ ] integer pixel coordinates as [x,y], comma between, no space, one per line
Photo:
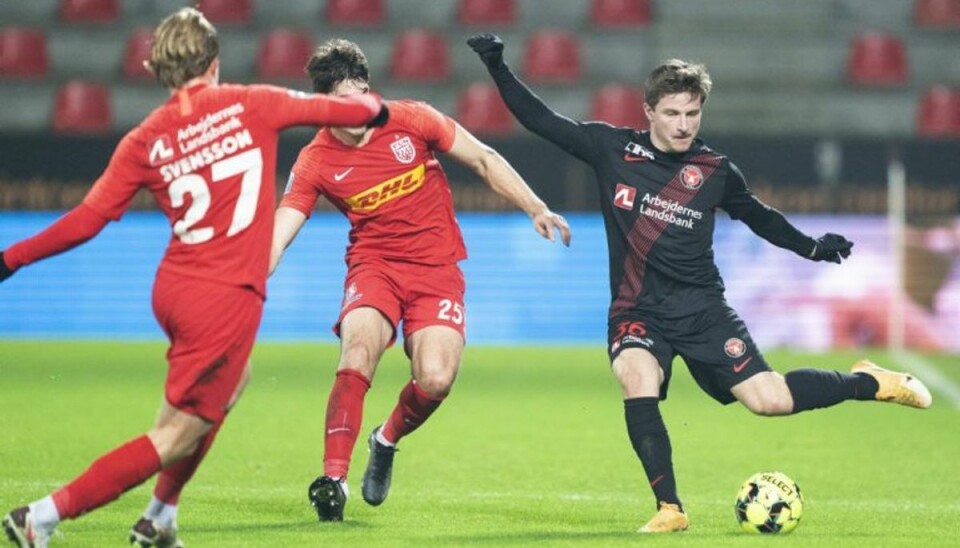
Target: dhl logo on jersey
[372,198]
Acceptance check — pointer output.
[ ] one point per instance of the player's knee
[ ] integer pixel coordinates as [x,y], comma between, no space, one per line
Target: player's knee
[436,383]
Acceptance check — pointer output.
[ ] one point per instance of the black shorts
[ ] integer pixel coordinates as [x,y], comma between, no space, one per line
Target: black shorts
[714,343]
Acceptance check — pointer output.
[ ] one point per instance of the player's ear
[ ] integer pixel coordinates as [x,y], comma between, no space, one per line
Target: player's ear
[213,71]
[648,110]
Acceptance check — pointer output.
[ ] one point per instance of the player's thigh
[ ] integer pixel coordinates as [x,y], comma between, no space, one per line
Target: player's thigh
[719,351]
[365,333]
[641,358]
[765,393]
[370,285]
[435,354]
[433,296]
[639,373]
[212,328]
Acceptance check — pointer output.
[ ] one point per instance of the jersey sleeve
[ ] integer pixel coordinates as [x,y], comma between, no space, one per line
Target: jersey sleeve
[570,135]
[113,191]
[763,220]
[302,190]
[437,129]
[280,108]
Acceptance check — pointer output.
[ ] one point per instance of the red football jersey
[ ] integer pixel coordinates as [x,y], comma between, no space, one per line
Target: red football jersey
[208,156]
[392,189]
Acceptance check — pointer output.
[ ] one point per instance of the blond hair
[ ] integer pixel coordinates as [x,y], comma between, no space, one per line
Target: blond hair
[184,46]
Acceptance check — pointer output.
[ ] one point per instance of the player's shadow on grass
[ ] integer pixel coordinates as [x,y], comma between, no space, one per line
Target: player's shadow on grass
[533,536]
[350,525]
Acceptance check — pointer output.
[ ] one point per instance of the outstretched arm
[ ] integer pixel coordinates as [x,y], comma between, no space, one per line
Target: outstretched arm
[287,224]
[76,227]
[505,181]
[529,109]
[771,225]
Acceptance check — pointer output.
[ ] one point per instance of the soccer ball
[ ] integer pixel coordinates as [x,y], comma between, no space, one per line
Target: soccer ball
[769,502]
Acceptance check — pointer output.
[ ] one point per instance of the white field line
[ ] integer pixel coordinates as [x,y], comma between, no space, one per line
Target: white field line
[931,376]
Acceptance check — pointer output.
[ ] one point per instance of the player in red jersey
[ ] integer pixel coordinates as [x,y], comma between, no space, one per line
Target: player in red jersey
[207,155]
[402,260]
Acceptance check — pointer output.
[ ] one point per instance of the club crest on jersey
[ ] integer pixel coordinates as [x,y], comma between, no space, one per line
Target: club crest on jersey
[403,150]
[161,150]
[734,347]
[351,295]
[624,196]
[691,177]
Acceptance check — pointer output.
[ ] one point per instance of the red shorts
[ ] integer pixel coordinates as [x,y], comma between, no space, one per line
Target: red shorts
[211,327]
[419,295]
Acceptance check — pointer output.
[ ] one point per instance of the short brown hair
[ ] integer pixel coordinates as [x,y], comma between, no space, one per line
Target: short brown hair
[677,76]
[334,61]
[184,45]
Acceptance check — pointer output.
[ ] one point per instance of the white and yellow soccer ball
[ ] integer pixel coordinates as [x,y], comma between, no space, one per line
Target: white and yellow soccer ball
[769,502]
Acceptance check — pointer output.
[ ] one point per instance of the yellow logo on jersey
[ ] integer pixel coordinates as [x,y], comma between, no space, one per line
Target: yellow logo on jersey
[379,194]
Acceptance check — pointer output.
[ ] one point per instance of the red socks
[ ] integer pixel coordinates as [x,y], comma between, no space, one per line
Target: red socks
[413,408]
[108,477]
[344,416]
[174,477]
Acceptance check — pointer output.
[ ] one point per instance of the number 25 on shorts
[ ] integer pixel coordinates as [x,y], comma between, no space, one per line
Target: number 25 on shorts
[450,311]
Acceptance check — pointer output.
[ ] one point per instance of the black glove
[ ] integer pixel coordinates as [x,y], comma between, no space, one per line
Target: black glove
[382,118]
[490,49]
[5,271]
[831,247]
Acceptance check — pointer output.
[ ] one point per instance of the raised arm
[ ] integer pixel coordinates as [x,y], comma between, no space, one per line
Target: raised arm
[530,110]
[505,181]
[282,108]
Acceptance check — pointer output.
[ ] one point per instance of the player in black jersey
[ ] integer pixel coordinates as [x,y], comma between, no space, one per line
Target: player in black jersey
[660,190]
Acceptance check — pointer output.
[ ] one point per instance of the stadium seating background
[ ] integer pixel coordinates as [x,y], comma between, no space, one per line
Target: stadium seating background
[780,68]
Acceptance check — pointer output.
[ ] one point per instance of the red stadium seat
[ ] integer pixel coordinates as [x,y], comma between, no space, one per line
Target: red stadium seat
[938,114]
[620,13]
[137,50]
[620,105]
[487,12]
[877,60]
[23,53]
[481,110]
[356,12]
[89,11]
[420,55]
[552,56]
[82,107]
[938,14]
[283,54]
[231,12]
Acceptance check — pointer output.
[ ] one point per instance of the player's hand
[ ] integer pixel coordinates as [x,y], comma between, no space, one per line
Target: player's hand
[382,118]
[546,222]
[490,49]
[5,271]
[831,247]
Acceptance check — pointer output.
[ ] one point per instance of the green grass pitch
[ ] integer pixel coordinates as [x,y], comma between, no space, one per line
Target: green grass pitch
[529,449]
